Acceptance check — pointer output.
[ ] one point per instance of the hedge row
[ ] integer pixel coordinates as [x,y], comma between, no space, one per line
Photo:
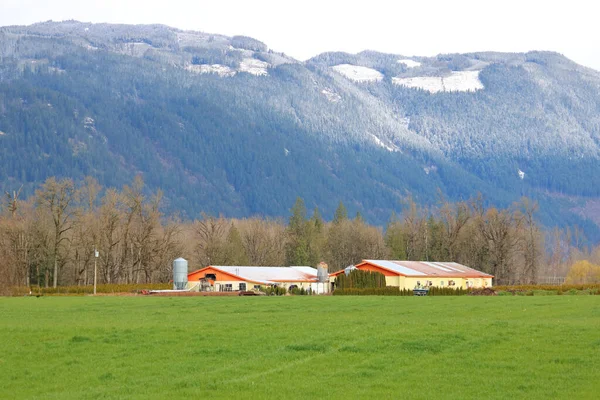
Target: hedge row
[359,279]
[539,292]
[394,291]
[447,291]
[561,288]
[435,291]
[383,291]
[83,290]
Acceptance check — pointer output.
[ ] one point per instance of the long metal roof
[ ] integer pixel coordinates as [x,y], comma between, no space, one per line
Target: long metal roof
[426,268]
[395,266]
[271,274]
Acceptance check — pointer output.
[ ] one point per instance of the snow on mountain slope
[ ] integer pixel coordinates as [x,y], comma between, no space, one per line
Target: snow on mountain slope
[331,95]
[221,70]
[457,81]
[357,73]
[410,63]
[254,67]
[432,84]
[463,81]
[249,65]
[379,142]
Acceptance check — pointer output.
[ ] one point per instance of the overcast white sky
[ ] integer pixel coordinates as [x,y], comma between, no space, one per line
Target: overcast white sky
[305,28]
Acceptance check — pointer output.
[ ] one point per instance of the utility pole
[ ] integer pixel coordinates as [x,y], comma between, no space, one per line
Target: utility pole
[96,254]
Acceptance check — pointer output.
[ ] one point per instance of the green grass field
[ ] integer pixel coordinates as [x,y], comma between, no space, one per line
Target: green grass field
[300,347]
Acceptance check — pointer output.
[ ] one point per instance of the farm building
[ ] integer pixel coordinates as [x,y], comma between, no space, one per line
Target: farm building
[412,274]
[233,278]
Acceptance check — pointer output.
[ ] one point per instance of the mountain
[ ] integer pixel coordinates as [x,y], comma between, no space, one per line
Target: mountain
[226,125]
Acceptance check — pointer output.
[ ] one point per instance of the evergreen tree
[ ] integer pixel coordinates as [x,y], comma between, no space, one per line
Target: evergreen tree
[317,220]
[395,239]
[358,217]
[316,237]
[234,250]
[297,249]
[341,214]
[298,218]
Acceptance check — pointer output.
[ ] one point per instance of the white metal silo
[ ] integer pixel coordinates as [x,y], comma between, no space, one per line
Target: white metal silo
[180,273]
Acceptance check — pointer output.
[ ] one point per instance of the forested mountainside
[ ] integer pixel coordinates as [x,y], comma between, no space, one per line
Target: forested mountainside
[227,126]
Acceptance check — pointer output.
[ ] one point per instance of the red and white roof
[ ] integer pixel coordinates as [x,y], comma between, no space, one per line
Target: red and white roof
[270,275]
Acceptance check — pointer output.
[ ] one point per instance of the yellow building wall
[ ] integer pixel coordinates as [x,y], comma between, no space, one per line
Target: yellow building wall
[393,280]
[407,282]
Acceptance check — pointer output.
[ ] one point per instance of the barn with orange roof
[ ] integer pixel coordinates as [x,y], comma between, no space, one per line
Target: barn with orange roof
[221,278]
[413,274]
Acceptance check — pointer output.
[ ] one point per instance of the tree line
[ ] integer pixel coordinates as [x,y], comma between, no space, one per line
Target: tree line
[50,238]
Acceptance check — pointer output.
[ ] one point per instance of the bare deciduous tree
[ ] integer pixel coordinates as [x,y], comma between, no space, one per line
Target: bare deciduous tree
[56,198]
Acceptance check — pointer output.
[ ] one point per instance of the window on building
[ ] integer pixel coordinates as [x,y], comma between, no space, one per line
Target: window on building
[256,286]
[442,283]
[211,277]
[243,286]
[228,287]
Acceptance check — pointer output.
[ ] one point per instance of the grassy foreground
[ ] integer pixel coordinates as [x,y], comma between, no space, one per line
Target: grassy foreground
[300,347]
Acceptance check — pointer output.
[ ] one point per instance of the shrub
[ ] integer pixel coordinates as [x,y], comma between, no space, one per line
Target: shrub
[298,291]
[583,272]
[275,291]
[360,279]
